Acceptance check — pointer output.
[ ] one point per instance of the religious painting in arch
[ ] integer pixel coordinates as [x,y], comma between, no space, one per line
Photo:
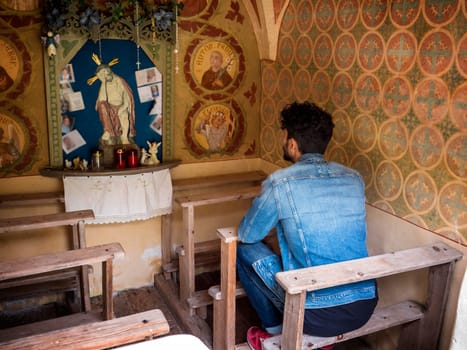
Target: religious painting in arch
[110,103]
[109,79]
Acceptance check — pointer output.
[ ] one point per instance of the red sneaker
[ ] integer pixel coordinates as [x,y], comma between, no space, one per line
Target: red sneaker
[255,337]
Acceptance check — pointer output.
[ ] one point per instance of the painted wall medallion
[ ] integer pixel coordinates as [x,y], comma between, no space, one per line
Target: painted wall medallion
[214,128]
[15,66]
[18,139]
[215,65]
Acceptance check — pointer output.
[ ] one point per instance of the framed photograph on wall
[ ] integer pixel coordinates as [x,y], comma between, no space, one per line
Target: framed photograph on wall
[72,141]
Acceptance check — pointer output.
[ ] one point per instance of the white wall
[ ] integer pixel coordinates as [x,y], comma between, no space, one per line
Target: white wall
[386,233]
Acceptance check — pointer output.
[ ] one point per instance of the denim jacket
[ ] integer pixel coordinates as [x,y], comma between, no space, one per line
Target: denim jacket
[318,209]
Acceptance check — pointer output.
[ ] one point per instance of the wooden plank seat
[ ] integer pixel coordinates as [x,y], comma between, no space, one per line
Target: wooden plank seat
[35,222]
[95,335]
[188,204]
[23,267]
[421,323]
[47,283]
[25,199]
[203,183]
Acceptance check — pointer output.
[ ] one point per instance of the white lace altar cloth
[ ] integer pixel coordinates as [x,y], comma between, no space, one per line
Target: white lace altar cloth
[120,198]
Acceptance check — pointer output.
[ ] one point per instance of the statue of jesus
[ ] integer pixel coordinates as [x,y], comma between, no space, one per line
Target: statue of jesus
[116,108]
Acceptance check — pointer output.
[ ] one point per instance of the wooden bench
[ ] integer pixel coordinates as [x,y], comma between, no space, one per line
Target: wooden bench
[95,335]
[49,281]
[27,199]
[422,323]
[205,183]
[210,190]
[36,265]
[188,204]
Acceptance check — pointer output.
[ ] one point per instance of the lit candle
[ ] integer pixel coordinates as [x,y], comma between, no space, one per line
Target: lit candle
[120,161]
[132,158]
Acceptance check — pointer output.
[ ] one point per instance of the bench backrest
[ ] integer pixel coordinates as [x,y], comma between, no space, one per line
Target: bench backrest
[73,221]
[25,199]
[319,277]
[36,222]
[59,261]
[205,182]
[220,196]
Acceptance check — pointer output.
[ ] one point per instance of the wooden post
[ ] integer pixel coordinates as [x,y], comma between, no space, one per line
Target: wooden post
[293,320]
[424,334]
[187,259]
[107,281]
[84,285]
[166,240]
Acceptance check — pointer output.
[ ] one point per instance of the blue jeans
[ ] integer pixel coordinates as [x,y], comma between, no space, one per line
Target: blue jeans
[268,302]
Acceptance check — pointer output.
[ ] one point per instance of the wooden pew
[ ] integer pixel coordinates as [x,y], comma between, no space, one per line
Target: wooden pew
[39,264]
[204,183]
[27,199]
[95,335]
[189,194]
[422,323]
[38,284]
[187,256]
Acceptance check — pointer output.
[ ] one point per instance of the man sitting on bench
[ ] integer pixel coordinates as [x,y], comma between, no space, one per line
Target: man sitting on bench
[318,211]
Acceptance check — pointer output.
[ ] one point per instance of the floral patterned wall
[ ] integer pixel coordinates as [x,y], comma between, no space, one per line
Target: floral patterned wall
[393,76]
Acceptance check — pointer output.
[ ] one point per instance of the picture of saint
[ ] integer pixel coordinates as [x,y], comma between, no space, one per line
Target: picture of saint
[68,143]
[67,75]
[151,76]
[72,141]
[214,127]
[217,76]
[215,65]
[148,76]
[67,124]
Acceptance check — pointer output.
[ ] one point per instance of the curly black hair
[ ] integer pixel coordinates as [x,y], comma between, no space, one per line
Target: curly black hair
[309,125]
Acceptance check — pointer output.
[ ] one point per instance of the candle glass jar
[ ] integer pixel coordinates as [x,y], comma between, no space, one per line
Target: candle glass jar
[120,159]
[132,158]
[97,160]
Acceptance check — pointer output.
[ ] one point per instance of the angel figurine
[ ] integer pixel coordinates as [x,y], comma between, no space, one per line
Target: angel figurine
[153,147]
[51,42]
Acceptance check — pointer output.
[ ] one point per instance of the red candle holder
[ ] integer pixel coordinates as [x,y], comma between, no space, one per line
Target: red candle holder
[120,159]
[132,158]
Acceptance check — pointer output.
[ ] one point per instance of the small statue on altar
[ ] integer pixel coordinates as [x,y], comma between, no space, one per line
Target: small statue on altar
[76,163]
[144,156]
[84,165]
[149,157]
